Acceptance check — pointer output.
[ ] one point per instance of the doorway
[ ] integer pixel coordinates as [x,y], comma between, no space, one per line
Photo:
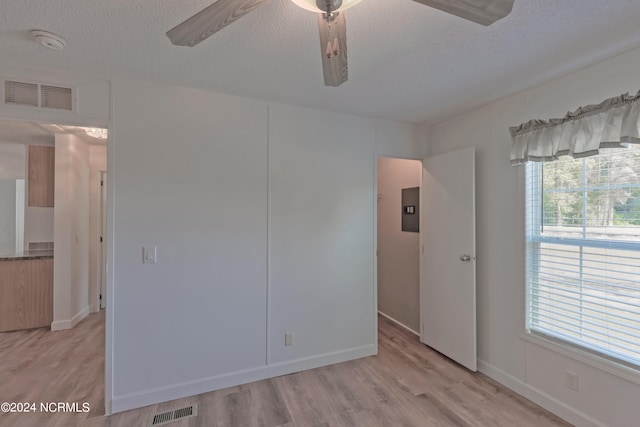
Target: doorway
[56,204]
[399,241]
[426,274]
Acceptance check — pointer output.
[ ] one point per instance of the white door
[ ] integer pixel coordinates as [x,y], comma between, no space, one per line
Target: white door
[447,262]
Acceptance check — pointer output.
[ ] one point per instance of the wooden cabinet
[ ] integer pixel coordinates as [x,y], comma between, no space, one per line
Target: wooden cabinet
[26,293]
[41,176]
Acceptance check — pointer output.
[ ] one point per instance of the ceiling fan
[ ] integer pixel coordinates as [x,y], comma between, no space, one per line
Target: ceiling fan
[331,23]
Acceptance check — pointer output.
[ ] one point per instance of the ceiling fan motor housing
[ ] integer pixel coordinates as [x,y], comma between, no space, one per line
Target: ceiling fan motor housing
[321,6]
[329,5]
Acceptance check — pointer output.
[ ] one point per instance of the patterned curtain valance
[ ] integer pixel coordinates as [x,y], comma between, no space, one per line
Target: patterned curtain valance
[612,123]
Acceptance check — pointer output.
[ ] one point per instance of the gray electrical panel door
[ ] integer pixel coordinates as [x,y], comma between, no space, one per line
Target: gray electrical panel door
[411,209]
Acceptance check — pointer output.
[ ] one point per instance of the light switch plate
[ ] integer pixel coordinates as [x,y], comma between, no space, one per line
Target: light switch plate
[149,254]
[288,339]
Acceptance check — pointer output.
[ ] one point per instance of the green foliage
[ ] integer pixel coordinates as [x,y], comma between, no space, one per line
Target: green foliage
[597,191]
[628,213]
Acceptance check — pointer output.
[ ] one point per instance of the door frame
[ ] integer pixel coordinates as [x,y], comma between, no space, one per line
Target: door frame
[101,294]
[376,157]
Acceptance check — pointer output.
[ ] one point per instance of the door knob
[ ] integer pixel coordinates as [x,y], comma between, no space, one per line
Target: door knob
[465,258]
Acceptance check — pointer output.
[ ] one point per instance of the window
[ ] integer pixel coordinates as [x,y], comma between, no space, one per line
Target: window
[583,252]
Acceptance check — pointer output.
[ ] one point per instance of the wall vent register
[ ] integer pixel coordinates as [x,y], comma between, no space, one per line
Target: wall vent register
[38,95]
[174,415]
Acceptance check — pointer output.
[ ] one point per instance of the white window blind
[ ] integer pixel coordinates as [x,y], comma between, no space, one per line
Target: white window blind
[583,252]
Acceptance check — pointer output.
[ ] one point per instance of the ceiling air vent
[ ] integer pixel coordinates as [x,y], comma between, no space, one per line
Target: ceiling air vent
[56,97]
[175,415]
[38,95]
[19,93]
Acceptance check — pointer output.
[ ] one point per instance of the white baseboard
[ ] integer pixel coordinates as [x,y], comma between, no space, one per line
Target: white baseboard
[398,323]
[539,397]
[60,325]
[204,385]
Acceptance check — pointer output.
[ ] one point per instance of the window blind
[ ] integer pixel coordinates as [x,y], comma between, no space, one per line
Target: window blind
[583,252]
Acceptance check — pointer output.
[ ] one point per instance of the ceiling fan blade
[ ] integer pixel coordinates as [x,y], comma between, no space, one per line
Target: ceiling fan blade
[210,20]
[333,46]
[484,12]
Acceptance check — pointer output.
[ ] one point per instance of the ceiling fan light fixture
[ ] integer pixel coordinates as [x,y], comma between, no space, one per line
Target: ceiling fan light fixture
[312,5]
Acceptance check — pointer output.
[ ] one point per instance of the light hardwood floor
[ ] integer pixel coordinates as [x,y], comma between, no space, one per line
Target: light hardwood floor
[38,365]
[406,384]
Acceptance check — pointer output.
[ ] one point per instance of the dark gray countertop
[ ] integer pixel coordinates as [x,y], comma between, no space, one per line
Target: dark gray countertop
[26,255]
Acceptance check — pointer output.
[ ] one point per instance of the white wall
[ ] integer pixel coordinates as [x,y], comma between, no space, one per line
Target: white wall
[12,167]
[321,232]
[192,173]
[395,139]
[263,217]
[7,216]
[398,251]
[190,178]
[529,368]
[38,221]
[38,225]
[12,160]
[97,163]
[71,229]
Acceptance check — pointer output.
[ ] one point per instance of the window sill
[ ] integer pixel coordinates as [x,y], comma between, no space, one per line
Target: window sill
[621,371]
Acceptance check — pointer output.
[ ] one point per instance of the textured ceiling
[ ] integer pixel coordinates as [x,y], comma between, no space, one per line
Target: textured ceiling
[407,62]
[40,134]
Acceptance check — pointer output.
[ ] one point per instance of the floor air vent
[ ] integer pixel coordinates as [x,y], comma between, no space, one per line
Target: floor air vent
[175,415]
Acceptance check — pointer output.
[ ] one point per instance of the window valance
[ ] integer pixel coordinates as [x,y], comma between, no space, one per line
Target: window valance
[612,123]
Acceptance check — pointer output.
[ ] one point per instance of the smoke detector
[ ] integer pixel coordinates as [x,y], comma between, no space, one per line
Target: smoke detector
[50,40]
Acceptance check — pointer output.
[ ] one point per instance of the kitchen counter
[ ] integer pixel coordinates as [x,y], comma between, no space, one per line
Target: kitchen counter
[26,255]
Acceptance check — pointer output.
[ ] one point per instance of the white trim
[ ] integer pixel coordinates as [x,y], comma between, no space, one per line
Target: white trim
[561,409]
[20,210]
[204,385]
[101,245]
[398,323]
[60,325]
[108,246]
[600,363]
[267,355]
[375,239]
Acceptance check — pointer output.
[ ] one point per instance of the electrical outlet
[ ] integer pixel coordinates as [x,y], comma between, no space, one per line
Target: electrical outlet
[288,339]
[571,380]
